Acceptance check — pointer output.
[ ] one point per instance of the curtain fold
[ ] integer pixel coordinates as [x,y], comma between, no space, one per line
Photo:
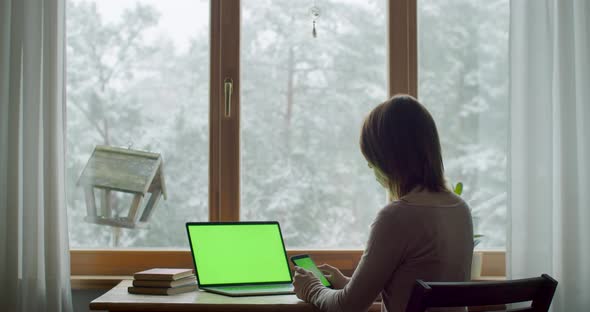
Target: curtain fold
[549,210]
[34,270]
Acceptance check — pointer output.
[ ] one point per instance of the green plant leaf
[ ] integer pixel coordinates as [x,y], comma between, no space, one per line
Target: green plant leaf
[476,242]
[458,189]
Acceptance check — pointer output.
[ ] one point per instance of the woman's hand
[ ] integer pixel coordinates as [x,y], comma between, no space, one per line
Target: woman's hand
[336,278]
[304,281]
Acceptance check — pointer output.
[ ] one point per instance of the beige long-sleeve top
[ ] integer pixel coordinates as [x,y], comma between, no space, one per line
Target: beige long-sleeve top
[426,236]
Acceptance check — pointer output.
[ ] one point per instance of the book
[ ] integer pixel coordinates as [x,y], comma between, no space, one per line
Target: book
[161,290]
[159,274]
[164,284]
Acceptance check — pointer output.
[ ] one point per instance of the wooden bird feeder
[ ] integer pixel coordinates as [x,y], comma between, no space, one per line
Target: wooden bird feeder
[114,169]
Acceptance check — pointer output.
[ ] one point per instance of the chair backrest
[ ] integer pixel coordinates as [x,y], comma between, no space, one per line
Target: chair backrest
[539,290]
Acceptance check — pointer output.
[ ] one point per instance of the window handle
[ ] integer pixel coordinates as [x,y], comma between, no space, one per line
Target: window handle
[228,85]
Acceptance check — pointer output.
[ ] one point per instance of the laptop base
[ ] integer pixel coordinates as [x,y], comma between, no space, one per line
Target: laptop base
[244,291]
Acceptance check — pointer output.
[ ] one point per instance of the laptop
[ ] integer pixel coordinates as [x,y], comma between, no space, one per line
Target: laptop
[240,258]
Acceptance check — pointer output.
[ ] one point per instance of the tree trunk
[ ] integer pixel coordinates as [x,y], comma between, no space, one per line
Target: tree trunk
[289,97]
[290,82]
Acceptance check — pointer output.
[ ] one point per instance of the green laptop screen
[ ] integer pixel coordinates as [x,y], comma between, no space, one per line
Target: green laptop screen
[244,253]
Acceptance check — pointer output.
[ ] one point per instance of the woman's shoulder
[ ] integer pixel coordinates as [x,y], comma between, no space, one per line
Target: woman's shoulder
[407,209]
[427,198]
[395,210]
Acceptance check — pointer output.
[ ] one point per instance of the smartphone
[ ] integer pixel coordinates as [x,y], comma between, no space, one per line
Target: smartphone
[305,262]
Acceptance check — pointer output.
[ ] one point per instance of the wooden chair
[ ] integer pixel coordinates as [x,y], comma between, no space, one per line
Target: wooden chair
[538,290]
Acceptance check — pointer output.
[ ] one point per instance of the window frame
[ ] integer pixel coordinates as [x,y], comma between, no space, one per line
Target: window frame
[224,159]
[103,268]
[224,162]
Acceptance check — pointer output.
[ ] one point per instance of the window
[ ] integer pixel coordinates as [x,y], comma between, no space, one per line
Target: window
[138,76]
[463,80]
[303,100]
[150,74]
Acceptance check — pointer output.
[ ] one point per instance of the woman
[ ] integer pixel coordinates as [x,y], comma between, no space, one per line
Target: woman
[426,231]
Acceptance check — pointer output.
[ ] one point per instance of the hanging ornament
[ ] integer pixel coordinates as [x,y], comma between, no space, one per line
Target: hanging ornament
[315,13]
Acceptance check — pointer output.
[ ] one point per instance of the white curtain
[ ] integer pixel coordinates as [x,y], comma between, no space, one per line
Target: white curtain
[549,229]
[34,251]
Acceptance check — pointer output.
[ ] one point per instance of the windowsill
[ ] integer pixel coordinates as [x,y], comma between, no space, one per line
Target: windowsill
[99,282]
[104,269]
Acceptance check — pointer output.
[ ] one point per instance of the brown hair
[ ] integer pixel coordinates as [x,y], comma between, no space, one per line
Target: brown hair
[399,136]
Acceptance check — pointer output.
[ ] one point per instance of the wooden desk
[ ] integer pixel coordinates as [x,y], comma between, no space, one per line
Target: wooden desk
[118,299]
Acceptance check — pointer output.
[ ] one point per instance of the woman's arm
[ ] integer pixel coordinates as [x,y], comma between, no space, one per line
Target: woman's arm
[384,253]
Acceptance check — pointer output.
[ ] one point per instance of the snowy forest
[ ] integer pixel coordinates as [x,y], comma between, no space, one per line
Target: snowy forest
[303,99]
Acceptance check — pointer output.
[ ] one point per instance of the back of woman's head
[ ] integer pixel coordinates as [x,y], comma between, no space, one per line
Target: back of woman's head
[399,137]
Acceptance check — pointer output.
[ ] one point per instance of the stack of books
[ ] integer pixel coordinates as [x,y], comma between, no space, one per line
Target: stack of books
[163,282]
